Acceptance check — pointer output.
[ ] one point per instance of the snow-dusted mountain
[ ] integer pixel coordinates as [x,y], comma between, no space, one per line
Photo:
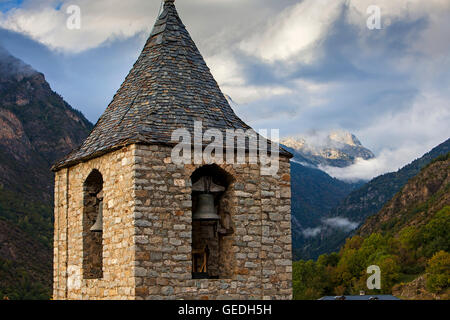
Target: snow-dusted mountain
[314,191]
[336,148]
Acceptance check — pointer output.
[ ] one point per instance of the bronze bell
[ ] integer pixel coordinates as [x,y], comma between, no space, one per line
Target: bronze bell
[205,208]
[98,225]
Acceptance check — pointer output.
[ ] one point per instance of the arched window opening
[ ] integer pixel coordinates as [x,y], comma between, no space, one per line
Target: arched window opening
[93,226]
[212,225]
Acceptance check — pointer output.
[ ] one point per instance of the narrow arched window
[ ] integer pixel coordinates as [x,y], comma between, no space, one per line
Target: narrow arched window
[212,225]
[93,226]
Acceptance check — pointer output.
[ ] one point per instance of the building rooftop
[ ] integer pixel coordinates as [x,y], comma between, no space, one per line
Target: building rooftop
[361,297]
[169,87]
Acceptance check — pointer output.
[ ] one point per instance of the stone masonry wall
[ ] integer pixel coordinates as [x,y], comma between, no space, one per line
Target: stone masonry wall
[261,243]
[118,280]
[147,231]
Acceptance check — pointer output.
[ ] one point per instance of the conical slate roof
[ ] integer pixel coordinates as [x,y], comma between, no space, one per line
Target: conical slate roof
[169,87]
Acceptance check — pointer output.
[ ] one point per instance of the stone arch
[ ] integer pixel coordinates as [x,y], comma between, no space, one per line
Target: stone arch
[218,236]
[92,241]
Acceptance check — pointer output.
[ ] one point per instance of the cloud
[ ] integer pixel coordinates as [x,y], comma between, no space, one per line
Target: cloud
[389,86]
[311,232]
[13,66]
[365,170]
[96,73]
[335,223]
[295,65]
[295,32]
[340,223]
[247,94]
[420,127]
[399,9]
[101,21]
[104,21]
[226,69]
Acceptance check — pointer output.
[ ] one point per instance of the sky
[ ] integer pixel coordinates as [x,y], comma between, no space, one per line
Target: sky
[302,66]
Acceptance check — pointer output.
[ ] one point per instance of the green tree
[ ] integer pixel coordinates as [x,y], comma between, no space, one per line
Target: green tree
[310,280]
[390,272]
[438,272]
[435,235]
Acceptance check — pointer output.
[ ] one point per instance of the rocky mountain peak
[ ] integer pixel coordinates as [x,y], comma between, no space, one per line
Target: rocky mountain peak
[36,126]
[336,148]
[10,66]
[344,137]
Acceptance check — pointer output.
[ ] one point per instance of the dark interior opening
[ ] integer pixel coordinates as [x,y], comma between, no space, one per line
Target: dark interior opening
[92,240]
[212,239]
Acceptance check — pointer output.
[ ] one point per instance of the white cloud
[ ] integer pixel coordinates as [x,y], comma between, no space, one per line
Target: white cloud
[420,128]
[386,161]
[335,223]
[340,223]
[311,232]
[224,28]
[427,44]
[100,21]
[104,21]
[227,71]
[398,9]
[430,41]
[294,33]
[246,94]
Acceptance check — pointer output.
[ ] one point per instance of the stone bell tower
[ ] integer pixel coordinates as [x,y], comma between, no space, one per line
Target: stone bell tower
[131,223]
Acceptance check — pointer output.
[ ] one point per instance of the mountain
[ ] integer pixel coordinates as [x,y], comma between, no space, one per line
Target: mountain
[336,149]
[37,127]
[417,203]
[364,202]
[418,217]
[314,193]
[408,239]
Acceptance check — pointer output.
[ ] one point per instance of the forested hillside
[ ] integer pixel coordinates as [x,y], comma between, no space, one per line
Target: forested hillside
[408,239]
[37,127]
[365,202]
[314,193]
